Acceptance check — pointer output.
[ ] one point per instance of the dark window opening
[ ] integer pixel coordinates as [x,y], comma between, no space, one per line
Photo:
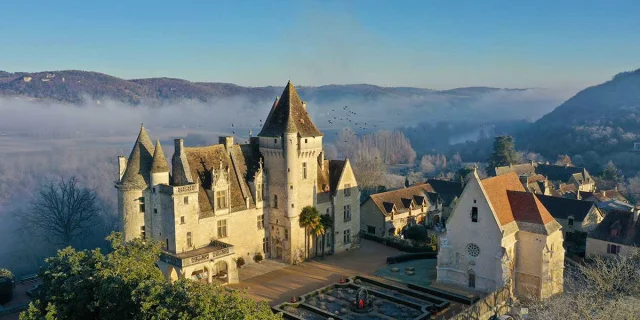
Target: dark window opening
[474,214]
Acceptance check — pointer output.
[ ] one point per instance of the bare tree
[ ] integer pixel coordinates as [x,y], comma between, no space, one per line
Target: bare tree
[63,211]
[369,168]
[605,288]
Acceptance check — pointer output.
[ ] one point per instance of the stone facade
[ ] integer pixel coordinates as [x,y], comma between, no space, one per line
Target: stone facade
[228,201]
[500,235]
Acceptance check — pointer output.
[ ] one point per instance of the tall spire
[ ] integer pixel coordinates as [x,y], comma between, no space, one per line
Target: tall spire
[159,163]
[288,115]
[138,170]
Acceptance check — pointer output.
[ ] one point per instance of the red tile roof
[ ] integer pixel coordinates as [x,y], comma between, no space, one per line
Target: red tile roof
[527,208]
[496,190]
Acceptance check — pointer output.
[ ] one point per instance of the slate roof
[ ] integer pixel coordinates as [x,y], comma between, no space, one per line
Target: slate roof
[335,171]
[562,208]
[447,190]
[629,231]
[202,160]
[401,198]
[159,163]
[137,173]
[524,169]
[512,203]
[604,195]
[288,115]
[560,173]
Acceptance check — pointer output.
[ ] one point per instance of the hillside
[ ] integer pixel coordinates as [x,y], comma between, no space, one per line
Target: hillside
[411,105]
[604,119]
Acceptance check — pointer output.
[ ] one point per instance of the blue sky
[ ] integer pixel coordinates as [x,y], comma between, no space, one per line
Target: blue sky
[428,43]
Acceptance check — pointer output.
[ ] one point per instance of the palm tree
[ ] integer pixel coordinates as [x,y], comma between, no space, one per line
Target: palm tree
[327,223]
[309,219]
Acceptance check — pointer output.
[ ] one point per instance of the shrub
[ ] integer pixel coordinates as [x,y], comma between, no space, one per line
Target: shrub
[417,233]
[240,262]
[258,257]
[5,273]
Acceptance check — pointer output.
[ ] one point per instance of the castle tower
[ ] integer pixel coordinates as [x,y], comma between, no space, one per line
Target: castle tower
[133,186]
[290,144]
[159,176]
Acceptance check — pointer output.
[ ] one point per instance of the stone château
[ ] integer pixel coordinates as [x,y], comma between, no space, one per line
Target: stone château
[219,203]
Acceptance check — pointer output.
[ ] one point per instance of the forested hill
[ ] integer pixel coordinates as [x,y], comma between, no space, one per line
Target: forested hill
[603,119]
[74,86]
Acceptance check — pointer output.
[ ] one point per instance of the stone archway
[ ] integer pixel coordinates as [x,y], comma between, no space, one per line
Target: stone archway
[472,278]
[221,271]
[172,274]
[200,275]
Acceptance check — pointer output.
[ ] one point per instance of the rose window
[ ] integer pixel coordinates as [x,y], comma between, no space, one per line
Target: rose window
[473,249]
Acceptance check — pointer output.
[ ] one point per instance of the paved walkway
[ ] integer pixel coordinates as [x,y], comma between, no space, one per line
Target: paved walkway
[257,269]
[278,286]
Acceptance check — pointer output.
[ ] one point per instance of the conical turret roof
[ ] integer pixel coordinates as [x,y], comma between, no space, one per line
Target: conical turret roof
[159,163]
[139,164]
[288,115]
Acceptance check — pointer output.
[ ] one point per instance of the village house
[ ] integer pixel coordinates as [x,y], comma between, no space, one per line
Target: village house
[577,218]
[388,213]
[449,192]
[220,203]
[618,233]
[501,235]
[563,178]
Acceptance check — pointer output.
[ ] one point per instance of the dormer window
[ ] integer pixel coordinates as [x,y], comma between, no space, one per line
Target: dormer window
[474,214]
[570,222]
[221,199]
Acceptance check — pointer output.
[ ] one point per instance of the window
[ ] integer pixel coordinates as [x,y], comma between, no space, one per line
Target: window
[613,249]
[189,242]
[371,229]
[142,233]
[304,170]
[614,232]
[473,250]
[166,246]
[286,234]
[327,210]
[186,200]
[474,214]
[261,222]
[275,201]
[259,191]
[153,189]
[221,199]
[265,245]
[329,236]
[292,205]
[347,190]
[347,213]
[305,140]
[222,228]
[347,236]
[275,140]
[182,220]
[155,210]
[571,221]
[142,207]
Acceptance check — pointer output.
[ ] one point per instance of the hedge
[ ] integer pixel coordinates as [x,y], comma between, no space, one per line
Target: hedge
[412,256]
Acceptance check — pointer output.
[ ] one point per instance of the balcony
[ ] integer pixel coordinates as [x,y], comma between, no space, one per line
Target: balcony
[212,251]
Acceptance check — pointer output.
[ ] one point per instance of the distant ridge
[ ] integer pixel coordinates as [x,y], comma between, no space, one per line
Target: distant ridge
[75,86]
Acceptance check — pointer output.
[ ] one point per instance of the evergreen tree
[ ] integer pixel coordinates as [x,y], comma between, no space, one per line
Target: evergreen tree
[504,152]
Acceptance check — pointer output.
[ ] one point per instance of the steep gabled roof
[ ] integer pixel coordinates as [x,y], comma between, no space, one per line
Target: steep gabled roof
[524,169]
[562,208]
[628,230]
[159,163]
[559,173]
[400,198]
[137,173]
[447,190]
[288,115]
[526,207]
[496,190]
[335,172]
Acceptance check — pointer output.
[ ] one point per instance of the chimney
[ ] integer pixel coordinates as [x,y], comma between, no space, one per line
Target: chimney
[227,141]
[304,105]
[122,166]
[178,145]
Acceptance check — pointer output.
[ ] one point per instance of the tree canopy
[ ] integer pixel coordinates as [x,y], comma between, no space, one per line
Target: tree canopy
[504,152]
[126,284]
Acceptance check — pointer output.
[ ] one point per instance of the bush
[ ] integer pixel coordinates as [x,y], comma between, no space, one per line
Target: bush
[417,233]
[258,257]
[5,273]
[412,256]
[240,262]
[401,244]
